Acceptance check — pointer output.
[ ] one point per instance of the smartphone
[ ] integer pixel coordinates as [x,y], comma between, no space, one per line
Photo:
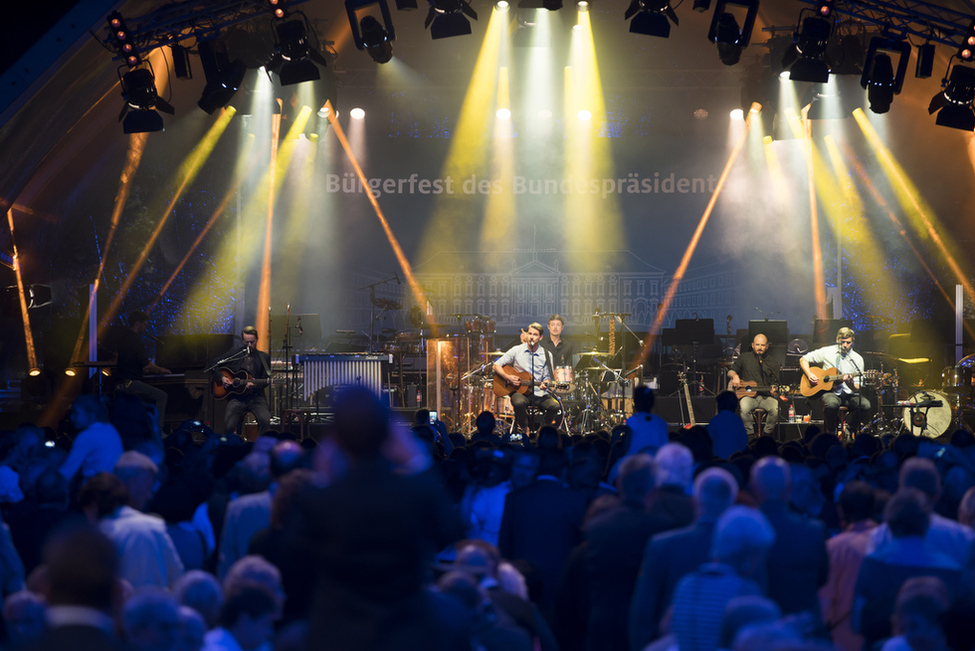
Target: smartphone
[433,418]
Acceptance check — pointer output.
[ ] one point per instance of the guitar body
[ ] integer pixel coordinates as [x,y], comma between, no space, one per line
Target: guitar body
[827,378]
[504,388]
[239,386]
[751,389]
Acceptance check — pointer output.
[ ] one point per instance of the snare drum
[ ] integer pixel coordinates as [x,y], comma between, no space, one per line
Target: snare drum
[565,380]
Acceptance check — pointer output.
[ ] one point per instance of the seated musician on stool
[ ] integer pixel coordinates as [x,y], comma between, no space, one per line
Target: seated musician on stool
[756,368]
[248,397]
[536,362]
[846,390]
[133,363]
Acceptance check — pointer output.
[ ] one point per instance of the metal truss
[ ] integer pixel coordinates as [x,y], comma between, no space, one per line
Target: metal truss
[905,18]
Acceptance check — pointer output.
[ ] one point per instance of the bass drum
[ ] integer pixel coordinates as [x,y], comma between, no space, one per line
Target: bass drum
[930,422]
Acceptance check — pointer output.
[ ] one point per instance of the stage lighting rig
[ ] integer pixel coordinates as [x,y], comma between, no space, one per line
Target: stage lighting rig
[954,102]
[726,33]
[223,77]
[806,59]
[368,33]
[123,40]
[141,102]
[447,18]
[296,58]
[650,17]
[879,78]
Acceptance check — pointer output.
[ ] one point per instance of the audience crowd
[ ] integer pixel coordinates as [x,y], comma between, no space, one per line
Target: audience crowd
[390,535]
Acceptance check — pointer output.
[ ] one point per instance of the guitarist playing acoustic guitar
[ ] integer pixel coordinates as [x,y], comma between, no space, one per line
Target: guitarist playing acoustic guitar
[843,367]
[756,366]
[525,372]
[243,373]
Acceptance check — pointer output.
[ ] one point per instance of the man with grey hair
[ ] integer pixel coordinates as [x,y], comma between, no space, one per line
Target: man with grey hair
[669,556]
[138,472]
[671,499]
[798,564]
[150,619]
[944,534]
[742,539]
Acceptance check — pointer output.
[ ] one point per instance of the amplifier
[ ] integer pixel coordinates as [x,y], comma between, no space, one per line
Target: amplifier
[342,369]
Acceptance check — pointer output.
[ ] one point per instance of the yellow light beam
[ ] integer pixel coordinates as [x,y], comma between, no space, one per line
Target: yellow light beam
[689,252]
[188,171]
[264,293]
[418,294]
[819,278]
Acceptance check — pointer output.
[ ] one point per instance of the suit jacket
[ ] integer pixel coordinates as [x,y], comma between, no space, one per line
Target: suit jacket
[541,524]
[798,564]
[667,558]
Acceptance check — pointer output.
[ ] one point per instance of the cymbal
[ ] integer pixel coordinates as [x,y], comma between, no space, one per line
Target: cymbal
[593,368]
[878,318]
[492,353]
[386,303]
[596,353]
[98,364]
[913,360]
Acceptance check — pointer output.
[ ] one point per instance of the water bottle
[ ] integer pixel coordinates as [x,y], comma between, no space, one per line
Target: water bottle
[419,397]
[792,413]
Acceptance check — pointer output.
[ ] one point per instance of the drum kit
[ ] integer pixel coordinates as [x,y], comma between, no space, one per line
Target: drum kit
[930,413]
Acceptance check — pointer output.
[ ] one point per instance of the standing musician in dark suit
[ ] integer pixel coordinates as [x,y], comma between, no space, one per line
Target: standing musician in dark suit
[756,366]
[530,358]
[246,395]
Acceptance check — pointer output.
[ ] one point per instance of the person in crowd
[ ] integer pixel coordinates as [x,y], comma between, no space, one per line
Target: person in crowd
[81,589]
[248,514]
[371,533]
[672,499]
[192,630]
[146,552]
[202,592]
[488,629]
[743,538]
[846,553]
[944,534]
[798,563]
[98,446]
[669,556]
[138,473]
[150,620]
[246,621]
[726,429]
[33,519]
[616,539]
[541,525]
[921,603]
[24,616]
[482,504]
[648,431]
[254,569]
[905,555]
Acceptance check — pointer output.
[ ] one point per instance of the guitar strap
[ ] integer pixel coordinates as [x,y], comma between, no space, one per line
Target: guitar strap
[267,369]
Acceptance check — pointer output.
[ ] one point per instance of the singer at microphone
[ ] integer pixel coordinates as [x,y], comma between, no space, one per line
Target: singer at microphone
[845,392]
[754,377]
[243,372]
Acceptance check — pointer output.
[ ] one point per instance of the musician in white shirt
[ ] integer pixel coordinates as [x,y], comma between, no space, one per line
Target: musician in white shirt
[535,364]
[846,388]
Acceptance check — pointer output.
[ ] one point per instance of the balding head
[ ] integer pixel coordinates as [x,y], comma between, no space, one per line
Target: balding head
[771,479]
[675,465]
[714,491]
[285,457]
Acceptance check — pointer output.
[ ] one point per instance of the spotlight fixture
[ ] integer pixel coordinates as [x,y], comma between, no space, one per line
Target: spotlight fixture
[552,5]
[447,18]
[368,33]
[806,59]
[139,93]
[123,40]
[38,296]
[277,8]
[297,58]
[650,17]
[878,77]
[954,102]
[700,6]
[223,78]
[966,52]
[925,61]
[725,32]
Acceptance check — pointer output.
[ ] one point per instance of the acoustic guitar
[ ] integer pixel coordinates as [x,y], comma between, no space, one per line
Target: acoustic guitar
[239,386]
[827,378]
[750,389]
[504,388]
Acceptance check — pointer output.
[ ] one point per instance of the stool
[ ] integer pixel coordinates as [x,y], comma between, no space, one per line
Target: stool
[759,414]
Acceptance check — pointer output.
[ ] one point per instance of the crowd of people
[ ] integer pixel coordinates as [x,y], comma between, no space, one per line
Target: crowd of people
[388,535]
